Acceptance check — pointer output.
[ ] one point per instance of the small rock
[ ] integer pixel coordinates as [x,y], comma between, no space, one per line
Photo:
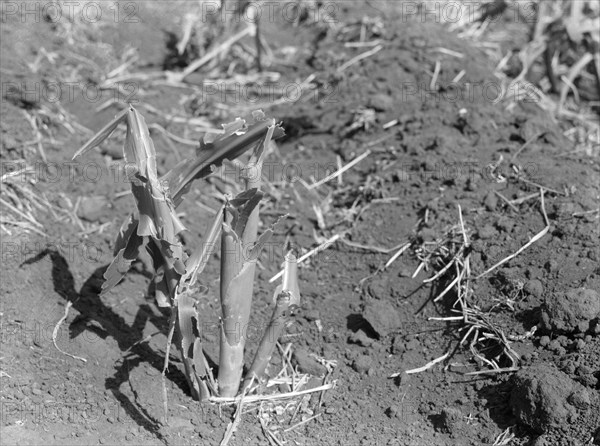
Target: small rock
[382,316]
[393,411]
[588,380]
[490,201]
[330,410]
[413,344]
[486,232]
[580,399]
[381,102]
[583,370]
[555,346]
[534,288]
[308,364]
[36,391]
[564,210]
[540,441]
[312,315]
[551,266]
[92,208]
[360,338]
[451,419]
[398,345]
[404,272]
[402,379]
[505,224]
[362,364]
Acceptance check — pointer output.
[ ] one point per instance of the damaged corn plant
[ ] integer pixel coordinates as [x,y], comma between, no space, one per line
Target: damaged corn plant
[155,227]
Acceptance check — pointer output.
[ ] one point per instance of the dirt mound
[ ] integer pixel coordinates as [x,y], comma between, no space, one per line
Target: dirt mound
[544,398]
[577,310]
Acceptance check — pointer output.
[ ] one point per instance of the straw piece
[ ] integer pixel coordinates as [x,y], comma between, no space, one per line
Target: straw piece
[398,254]
[338,172]
[538,236]
[213,53]
[436,73]
[278,396]
[55,333]
[359,58]
[425,367]
[326,244]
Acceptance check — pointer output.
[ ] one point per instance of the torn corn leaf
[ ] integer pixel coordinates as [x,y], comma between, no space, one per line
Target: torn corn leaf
[168,271]
[104,133]
[186,317]
[157,216]
[130,244]
[187,325]
[197,357]
[191,344]
[263,239]
[162,293]
[128,227]
[244,206]
[256,158]
[215,149]
[198,260]
[139,148]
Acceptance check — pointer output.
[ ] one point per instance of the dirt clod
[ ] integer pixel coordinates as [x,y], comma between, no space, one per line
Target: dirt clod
[362,364]
[393,411]
[544,398]
[382,316]
[308,364]
[490,201]
[92,208]
[451,419]
[381,102]
[534,288]
[360,338]
[576,311]
[486,232]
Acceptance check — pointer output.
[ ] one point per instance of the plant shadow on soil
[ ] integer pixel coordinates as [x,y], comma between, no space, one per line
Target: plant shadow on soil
[91,308]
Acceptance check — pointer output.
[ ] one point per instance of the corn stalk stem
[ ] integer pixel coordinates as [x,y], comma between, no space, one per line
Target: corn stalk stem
[236,298]
[269,339]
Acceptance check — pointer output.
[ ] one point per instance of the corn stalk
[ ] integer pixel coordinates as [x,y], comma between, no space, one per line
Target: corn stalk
[239,252]
[156,227]
[286,297]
